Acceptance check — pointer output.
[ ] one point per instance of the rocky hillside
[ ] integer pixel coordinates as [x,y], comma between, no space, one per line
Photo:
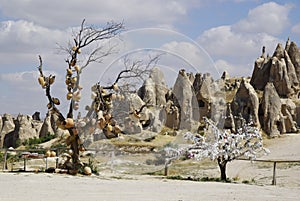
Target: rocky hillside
[269,99]
[16,130]
[277,79]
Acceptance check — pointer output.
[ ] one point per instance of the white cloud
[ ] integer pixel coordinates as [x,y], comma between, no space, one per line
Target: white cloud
[58,13]
[242,42]
[223,41]
[44,24]
[195,58]
[20,92]
[270,18]
[24,80]
[23,41]
[24,36]
[234,69]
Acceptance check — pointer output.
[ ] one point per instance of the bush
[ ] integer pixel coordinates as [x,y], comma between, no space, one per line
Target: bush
[34,141]
[1,157]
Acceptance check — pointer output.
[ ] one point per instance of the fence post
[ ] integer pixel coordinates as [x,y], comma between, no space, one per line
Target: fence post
[167,164]
[5,160]
[46,163]
[56,162]
[166,170]
[24,164]
[274,174]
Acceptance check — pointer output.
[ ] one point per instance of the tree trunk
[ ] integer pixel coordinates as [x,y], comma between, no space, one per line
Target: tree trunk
[222,165]
[75,149]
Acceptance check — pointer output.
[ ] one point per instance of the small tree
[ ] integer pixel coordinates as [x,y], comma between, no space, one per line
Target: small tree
[220,145]
[87,36]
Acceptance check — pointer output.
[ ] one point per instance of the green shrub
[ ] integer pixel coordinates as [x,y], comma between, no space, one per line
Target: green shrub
[34,141]
[1,157]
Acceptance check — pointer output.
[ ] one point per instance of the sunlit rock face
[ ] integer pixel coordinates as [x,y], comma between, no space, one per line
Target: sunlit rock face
[6,130]
[271,111]
[282,69]
[15,131]
[184,92]
[278,76]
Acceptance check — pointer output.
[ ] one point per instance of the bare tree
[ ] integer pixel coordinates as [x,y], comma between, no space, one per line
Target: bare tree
[87,36]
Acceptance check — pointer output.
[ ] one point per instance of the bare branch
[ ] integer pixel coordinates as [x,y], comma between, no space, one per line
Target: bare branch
[98,54]
[137,68]
[40,67]
[89,34]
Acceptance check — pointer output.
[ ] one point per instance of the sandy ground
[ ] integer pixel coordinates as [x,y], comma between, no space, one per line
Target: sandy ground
[114,186]
[287,147]
[48,187]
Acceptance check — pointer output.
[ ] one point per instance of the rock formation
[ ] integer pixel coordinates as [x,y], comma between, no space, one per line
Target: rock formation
[245,103]
[36,116]
[269,100]
[288,110]
[132,123]
[47,126]
[172,112]
[154,89]
[271,119]
[6,131]
[210,96]
[24,128]
[184,92]
[229,119]
[202,86]
[294,53]
[14,131]
[281,71]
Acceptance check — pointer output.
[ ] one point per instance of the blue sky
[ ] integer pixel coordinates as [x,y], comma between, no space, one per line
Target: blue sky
[211,35]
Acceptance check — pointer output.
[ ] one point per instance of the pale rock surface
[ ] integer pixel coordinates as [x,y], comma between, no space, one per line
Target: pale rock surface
[210,96]
[24,129]
[6,131]
[272,121]
[246,103]
[184,93]
[294,53]
[154,88]
[47,126]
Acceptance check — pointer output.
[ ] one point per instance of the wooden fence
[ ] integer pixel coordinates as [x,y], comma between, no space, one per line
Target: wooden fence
[274,161]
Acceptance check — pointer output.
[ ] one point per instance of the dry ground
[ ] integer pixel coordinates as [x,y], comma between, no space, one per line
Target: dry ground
[122,177]
[49,187]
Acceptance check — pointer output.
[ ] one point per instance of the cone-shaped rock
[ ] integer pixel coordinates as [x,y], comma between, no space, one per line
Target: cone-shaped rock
[246,103]
[184,92]
[271,111]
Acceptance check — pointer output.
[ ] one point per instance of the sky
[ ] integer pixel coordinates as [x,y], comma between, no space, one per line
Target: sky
[199,35]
